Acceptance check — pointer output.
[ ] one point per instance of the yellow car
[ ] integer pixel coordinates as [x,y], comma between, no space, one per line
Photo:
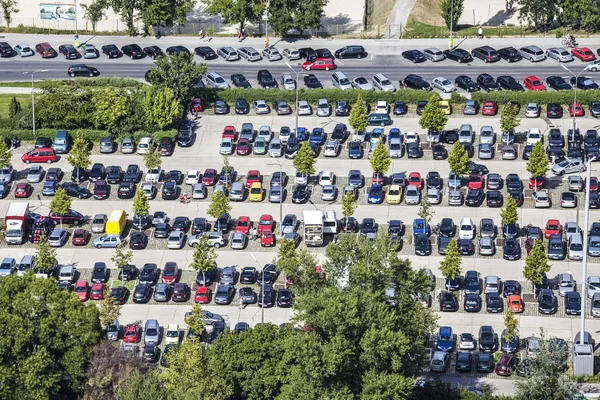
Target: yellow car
[394,194]
[256,192]
[446,107]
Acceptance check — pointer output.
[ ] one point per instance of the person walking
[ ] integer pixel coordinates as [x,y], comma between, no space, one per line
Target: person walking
[480,32]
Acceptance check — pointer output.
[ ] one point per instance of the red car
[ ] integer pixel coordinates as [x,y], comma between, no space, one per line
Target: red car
[515,303]
[80,237]
[132,333]
[265,224]
[253,176]
[476,182]
[267,239]
[170,272]
[210,176]
[203,294]
[97,292]
[319,63]
[243,147]
[23,190]
[228,132]
[533,83]
[377,179]
[576,109]
[40,155]
[243,225]
[537,182]
[196,105]
[414,178]
[82,290]
[553,227]
[593,184]
[489,108]
[166,146]
[181,292]
[583,53]
[506,364]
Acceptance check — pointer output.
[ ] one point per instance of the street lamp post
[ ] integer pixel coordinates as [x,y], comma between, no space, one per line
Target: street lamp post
[297,89]
[574,93]
[262,308]
[282,189]
[267,26]
[586,217]
[39,71]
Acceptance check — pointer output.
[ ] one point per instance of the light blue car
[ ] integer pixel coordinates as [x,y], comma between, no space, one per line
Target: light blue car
[24,50]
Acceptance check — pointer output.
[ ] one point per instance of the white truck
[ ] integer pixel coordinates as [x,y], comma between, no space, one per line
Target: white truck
[17,223]
[317,224]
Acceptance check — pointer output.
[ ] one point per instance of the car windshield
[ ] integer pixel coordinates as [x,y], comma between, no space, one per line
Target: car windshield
[486,336]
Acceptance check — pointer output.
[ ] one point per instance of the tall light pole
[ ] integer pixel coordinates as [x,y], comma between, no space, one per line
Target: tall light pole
[267,26]
[450,40]
[574,92]
[262,289]
[586,217]
[297,89]
[39,71]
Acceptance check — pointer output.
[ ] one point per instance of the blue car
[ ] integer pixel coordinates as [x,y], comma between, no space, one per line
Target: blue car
[301,133]
[49,188]
[376,136]
[413,55]
[420,227]
[445,339]
[394,134]
[355,150]
[317,136]
[375,195]
[3,189]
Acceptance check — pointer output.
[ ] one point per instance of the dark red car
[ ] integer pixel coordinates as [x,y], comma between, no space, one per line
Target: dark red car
[45,50]
[181,292]
[165,147]
[70,218]
[23,190]
[489,108]
[101,190]
[80,237]
[228,133]
[243,147]
[377,179]
[593,184]
[265,224]
[575,109]
[506,364]
[210,177]
[196,105]
[170,272]
[97,292]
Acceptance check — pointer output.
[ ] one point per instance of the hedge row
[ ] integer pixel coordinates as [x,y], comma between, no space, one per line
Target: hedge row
[114,82]
[92,135]
[545,97]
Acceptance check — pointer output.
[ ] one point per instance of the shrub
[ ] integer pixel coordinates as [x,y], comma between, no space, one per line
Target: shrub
[91,134]
[562,97]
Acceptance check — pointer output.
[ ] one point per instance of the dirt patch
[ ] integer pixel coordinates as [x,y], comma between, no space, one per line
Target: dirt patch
[427,11]
[379,11]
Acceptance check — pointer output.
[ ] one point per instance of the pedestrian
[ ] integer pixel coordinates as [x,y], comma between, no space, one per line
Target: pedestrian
[239,36]
[480,32]
[201,33]
[507,6]
[266,43]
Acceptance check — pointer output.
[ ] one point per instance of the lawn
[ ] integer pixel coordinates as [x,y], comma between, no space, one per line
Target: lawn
[5,102]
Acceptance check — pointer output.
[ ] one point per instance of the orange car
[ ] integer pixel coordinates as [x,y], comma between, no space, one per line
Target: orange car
[515,303]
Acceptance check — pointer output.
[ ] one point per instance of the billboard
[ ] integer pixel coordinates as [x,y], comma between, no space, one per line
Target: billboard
[57,11]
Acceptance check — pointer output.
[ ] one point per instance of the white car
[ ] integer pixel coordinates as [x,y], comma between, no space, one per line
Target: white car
[172,334]
[261,107]
[284,134]
[175,240]
[153,175]
[362,83]
[226,147]
[559,54]
[568,167]
[326,178]
[300,179]
[381,107]
[532,110]
[534,136]
[411,137]
[466,229]
[275,148]
[332,148]
[541,199]
[238,241]
[192,177]
[323,108]
[304,108]
[145,145]
[199,191]
[291,53]
[443,84]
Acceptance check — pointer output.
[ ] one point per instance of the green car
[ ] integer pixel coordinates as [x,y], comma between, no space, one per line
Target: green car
[463,361]
[485,362]
[260,146]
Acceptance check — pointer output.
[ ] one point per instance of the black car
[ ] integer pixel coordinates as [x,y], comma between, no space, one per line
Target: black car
[557,83]
[439,152]
[510,54]
[185,135]
[433,180]
[584,83]
[181,224]
[474,198]
[162,230]
[223,223]
[572,303]
[266,297]
[459,55]
[494,303]
[511,287]
[265,79]
[413,150]
[554,110]
[472,302]
[466,83]
[227,176]
[169,191]
[311,82]
[301,194]
[446,227]
[111,51]
[342,108]
[511,249]
[463,361]
[199,225]
[509,83]
[400,108]
[206,52]
[368,225]
[547,302]
[340,131]
[174,50]
[487,83]
[149,274]
[99,273]
[594,108]
[416,82]
[448,301]
[527,151]
[590,139]
[494,198]
[6,50]
[132,174]
[466,247]
[75,190]
[284,298]
[450,136]
[241,106]
[513,182]
[422,245]
[133,51]
[267,275]
[488,340]
[240,81]
[153,52]
[114,174]
[307,53]
[479,168]
[82,70]
[69,51]
[138,240]
[119,293]
[97,172]
[141,293]
[248,276]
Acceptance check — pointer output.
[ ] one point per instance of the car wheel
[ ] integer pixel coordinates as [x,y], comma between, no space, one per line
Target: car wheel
[98,246]
[216,245]
[72,75]
[91,74]
[594,69]
[47,162]
[562,173]
[27,161]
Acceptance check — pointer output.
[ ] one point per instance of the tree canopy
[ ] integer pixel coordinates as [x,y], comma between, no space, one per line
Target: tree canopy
[178,72]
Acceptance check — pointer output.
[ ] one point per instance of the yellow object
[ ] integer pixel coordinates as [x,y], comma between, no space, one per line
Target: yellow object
[266,43]
[116,222]
[256,192]
[446,107]
[450,43]
[394,194]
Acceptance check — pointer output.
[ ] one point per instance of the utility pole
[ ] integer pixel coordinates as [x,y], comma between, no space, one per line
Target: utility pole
[40,71]
[586,221]
[267,26]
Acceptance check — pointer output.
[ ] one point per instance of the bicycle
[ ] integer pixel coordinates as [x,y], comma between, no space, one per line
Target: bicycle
[568,43]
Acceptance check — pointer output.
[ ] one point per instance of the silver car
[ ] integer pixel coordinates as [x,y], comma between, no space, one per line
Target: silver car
[575,247]
[113,331]
[304,108]
[6,174]
[492,284]
[532,110]
[443,84]
[323,108]
[465,134]
[226,147]
[362,83]
[35,174]
[412,195]
[228,275]
[487,135]
[275,195]
[151,332]
[395,148]
[215,239]
[99,222]
[238,241]
[58,237]
[571,229]
[275,148]
[509,152]
[291,53]
[214,79]
[434,54]
[127,146]
[566,283]
[329,193]
[594,246]
[290,221]
[487,228]
[272,54]
[434,196]
[487,247]
[109,241]
[486,151]
[575,183]
[593,284]
[161,292]
[541,199]
[237,191]
[567,166]
[332,148]
[199,191]
[559,54]
[175,240]
[455,198]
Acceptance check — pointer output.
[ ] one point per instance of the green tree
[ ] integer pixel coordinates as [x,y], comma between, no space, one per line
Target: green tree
[508,213]
[110,106]
[305,161]
[45,256]
[236,11]
[358,115]
[287,258]
[52,336]
[109,310]
[580,13]
[425,210]
[295,14]
[219,205]
[9,7]
[127,10]
[537,13]
[122,256]
[4,154]
[433,119]
[450,265]
[538,163]
[61,203]
[380,159]
[141,205]
[512,325]
[204,256]
[79,156]
[178,72]
[139,386]
[348,204]
[451,11]
[14,107]
[536,263]
[164,13]
[152,159]
[95,12]
[458,159]
[509,117]
[187,375]
[161,107]
[550,379]
[195,321]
